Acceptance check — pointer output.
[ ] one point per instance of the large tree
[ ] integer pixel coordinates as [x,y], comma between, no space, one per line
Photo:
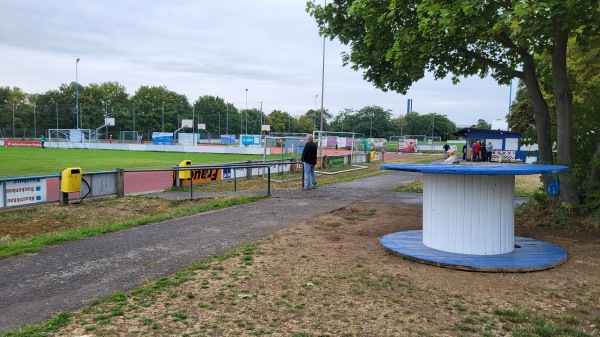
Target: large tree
[431,124]
[214,113]
[396,42]
[160,109]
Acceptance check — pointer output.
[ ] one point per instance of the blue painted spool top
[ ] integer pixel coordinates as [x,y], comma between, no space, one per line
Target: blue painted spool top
[483,169]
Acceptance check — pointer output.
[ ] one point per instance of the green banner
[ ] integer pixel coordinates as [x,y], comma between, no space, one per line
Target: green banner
[335,161]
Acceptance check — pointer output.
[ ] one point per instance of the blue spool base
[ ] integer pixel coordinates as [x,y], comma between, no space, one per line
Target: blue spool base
[529,254]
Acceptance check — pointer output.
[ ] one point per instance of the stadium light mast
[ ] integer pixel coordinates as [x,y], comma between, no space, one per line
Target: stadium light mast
[322,92]
[315,114]
[76,96]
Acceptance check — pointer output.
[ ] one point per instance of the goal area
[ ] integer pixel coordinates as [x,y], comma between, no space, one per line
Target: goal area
[128,137]
[71,138]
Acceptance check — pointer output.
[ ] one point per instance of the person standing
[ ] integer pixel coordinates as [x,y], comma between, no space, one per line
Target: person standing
[464,152]
[446,148]
[42,141]
[490,147]
[483,151]
[476,150]
[309,158]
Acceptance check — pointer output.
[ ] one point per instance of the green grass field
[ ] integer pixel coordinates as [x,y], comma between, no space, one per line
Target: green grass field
[24,161]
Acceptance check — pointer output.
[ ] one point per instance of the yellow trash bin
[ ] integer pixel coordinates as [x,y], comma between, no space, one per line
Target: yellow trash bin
[185,174]
[71,180]
[372,155]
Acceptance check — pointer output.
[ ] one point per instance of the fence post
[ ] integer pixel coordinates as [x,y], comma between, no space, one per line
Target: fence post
[63,198]
[302,175]
[269,180]
[234,180]
[120,181]
[249,171]
[191,185]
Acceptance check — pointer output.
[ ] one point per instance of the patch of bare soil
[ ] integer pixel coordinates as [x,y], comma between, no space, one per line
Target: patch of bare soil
[331,277]
[31,221]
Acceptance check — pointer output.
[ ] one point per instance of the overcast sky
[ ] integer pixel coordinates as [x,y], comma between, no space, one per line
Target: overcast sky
[206,47]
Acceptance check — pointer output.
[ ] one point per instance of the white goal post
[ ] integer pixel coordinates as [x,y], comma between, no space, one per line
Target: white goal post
[71,138]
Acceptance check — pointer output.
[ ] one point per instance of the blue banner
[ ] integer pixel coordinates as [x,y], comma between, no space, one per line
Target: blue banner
[162,138]
[227,139]
[251,140]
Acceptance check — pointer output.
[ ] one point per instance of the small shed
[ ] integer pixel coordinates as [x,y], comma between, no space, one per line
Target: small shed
[505,143]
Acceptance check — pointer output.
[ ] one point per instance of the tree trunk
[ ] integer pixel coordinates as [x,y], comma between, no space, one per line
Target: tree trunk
[540,114]
[564,115]
[594,170]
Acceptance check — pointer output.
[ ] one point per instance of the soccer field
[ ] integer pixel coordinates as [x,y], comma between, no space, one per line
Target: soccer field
[27,161]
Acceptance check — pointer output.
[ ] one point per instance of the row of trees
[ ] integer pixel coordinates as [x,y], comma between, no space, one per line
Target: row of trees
[152,109]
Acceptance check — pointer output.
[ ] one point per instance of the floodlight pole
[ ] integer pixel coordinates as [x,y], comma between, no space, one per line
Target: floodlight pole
[56,103]
[76,96]
[193,126]
[315,114]
[13,121]
[322,93]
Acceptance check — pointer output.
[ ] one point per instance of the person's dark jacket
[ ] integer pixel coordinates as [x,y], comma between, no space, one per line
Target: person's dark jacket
[309,154]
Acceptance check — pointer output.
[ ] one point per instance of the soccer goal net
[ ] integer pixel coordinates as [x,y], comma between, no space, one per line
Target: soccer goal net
[129,137]
[71,138]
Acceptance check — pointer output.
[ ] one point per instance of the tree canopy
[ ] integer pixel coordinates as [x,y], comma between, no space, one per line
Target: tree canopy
[396,42]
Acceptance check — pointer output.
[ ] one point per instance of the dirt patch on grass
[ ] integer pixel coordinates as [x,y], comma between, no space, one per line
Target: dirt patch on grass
[31,221]
[331,277]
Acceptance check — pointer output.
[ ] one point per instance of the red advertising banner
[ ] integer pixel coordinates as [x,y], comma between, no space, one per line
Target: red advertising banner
[22,143]
[407,145]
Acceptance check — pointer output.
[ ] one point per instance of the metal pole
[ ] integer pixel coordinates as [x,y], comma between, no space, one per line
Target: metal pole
[322,91]
[34,123]
[193,124]
[76,96]
[191,184]
[227,118]
[105,117]
[432,130]
[163,116]
[246,111]
[509,97]
[315,114]
[261,117]
[13,135]
[56,114]
[401,124]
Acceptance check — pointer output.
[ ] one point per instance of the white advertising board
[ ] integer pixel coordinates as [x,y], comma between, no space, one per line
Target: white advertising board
[23,192]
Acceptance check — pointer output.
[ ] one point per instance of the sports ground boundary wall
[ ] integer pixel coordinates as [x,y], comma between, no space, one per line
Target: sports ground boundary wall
[35,190]
[29,191]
